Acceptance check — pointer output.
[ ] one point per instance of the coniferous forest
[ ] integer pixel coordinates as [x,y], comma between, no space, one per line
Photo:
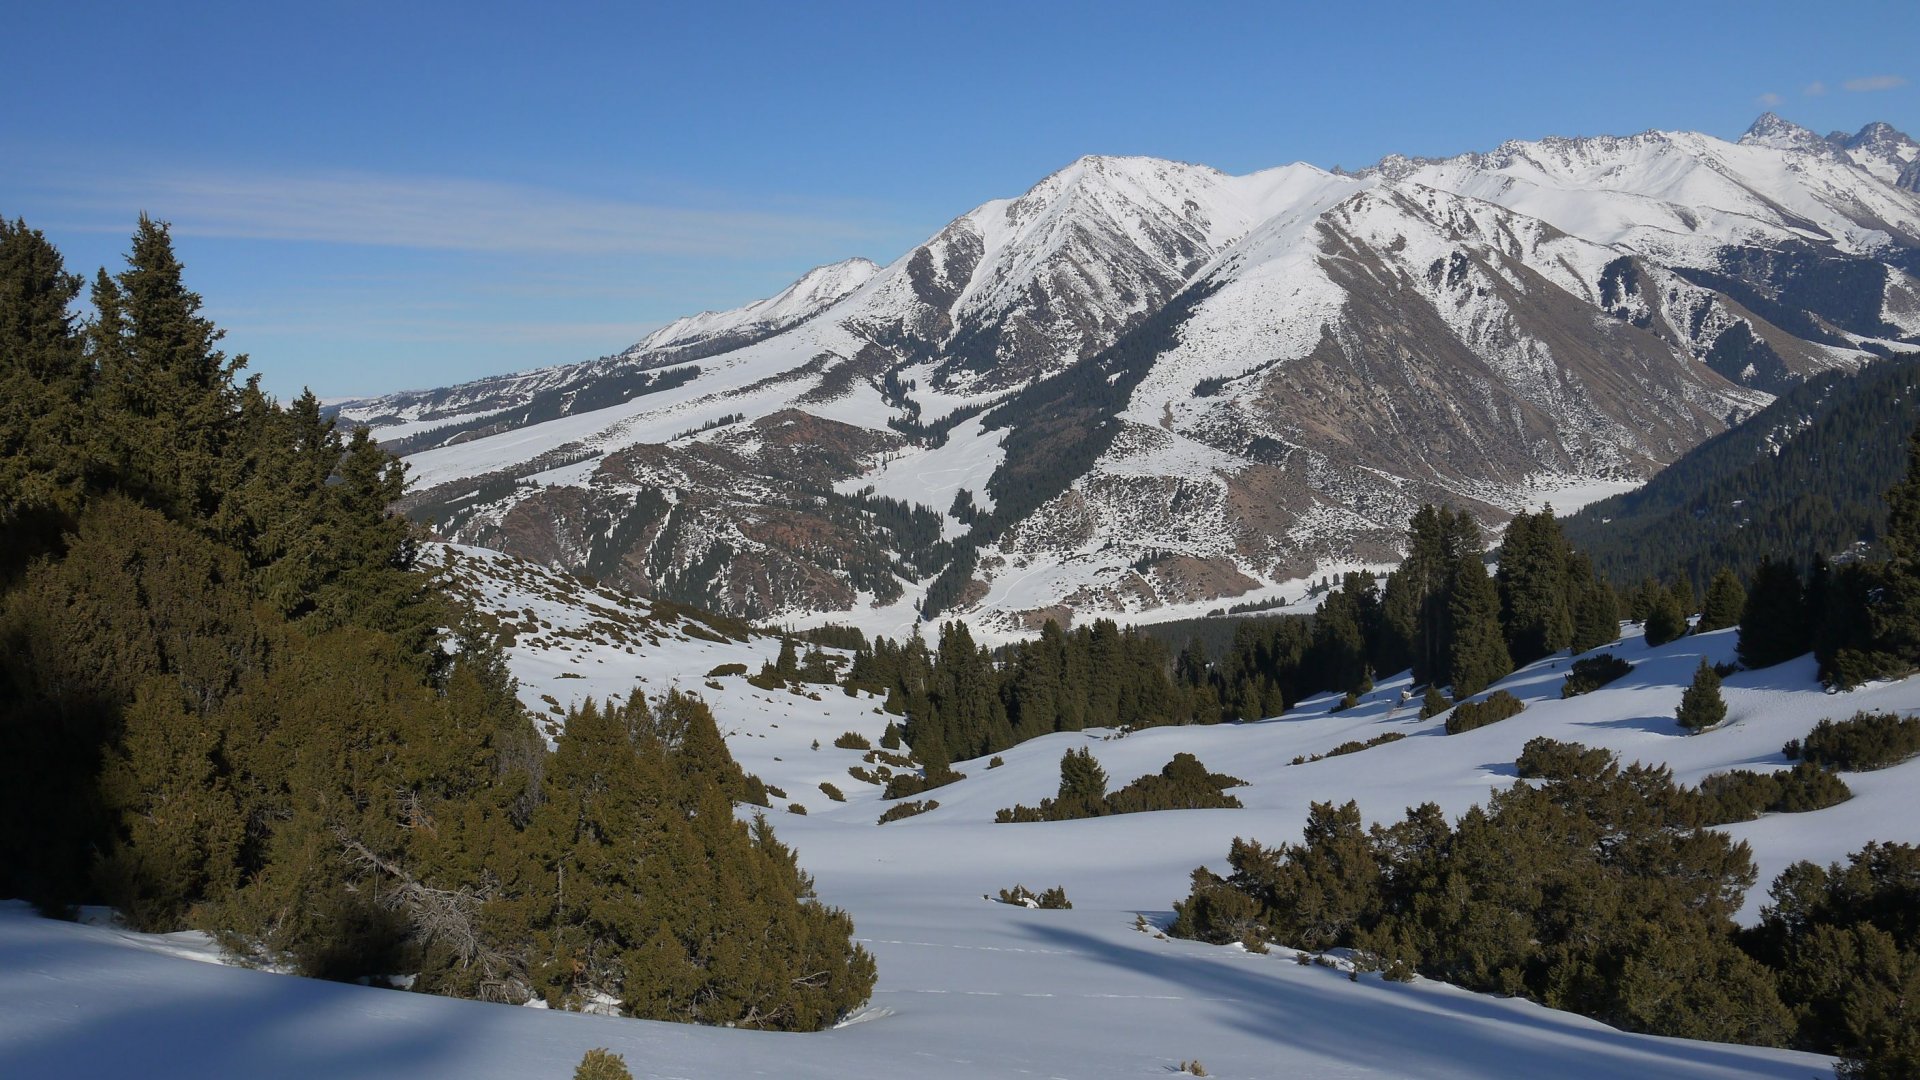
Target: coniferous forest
[229,700]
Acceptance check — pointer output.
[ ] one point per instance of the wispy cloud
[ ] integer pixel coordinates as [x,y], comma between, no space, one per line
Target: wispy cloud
[452,214]
[1815,89]
[1874,82]
[1769,100]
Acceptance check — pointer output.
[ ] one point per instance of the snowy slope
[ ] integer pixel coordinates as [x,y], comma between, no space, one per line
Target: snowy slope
[968,987]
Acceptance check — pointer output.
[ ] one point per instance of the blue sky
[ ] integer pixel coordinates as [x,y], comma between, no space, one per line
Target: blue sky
[380,196]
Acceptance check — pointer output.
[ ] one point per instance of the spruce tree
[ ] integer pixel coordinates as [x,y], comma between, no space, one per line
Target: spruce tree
[44,386]
[1666,618]
[1596,619]
[1415,609]
[1339,651]
[1896,616]
[1701,706]
[1083,786]
[168,385]
[1773,623]
[1726,599]
[1536,608]
[1479,650]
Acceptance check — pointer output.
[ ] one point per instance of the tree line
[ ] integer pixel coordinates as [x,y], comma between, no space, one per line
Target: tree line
[226,702]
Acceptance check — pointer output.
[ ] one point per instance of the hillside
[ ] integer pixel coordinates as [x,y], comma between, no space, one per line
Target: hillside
[1149,388]
[1805,476]
[952,965]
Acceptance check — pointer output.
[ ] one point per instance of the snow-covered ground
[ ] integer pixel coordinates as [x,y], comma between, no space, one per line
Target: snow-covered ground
[974,988]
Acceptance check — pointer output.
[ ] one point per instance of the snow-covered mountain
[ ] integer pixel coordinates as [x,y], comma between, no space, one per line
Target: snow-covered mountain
[1151,387]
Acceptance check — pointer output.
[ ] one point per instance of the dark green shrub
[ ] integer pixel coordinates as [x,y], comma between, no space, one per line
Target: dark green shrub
[1181,784]
[852,740]
[1434,703]
[1054,899]
[723,670]
[602,1064]
[905,784]
[1861,743]
[1741,795]
[832,792]
[1499,706]
[796,808]
[1352,747]
[907,810]
[1550,759]
[1593,673]
[756,792]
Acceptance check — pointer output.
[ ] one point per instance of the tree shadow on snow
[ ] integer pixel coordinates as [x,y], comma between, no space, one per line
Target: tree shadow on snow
[1303,1008]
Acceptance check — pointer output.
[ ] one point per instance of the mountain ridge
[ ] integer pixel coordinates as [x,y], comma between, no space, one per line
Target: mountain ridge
[1253,379]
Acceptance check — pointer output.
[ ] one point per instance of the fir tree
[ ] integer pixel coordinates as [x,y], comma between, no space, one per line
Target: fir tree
[1726,600]
[1896,617]
[1701,706]
[1773,623]
[1596,619]
[1536,604]
[1479,651]
[1083,786]
[44,385]
[1666,617]
[170,389]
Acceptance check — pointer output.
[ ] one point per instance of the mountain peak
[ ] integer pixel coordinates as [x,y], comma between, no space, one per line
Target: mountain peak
[1771,130]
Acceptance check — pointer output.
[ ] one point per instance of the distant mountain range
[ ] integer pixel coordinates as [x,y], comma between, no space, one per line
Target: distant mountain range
[1149,388]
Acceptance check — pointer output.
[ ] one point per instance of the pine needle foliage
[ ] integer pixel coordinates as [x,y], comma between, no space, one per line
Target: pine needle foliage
[226,703]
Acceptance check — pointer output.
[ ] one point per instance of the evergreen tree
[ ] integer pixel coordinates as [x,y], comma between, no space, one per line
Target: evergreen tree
[1479,652]
[1339,651]
[1773,623]
[1666,617]
[1536,603]
[168,387]
[1083,786]
[44,385]
[1896,616]
[1701,706]
[1726,600]
[1596,618]
[1415,610]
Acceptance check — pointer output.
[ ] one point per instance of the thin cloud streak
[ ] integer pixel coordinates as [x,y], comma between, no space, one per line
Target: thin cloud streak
[1874,82]
[453,214]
